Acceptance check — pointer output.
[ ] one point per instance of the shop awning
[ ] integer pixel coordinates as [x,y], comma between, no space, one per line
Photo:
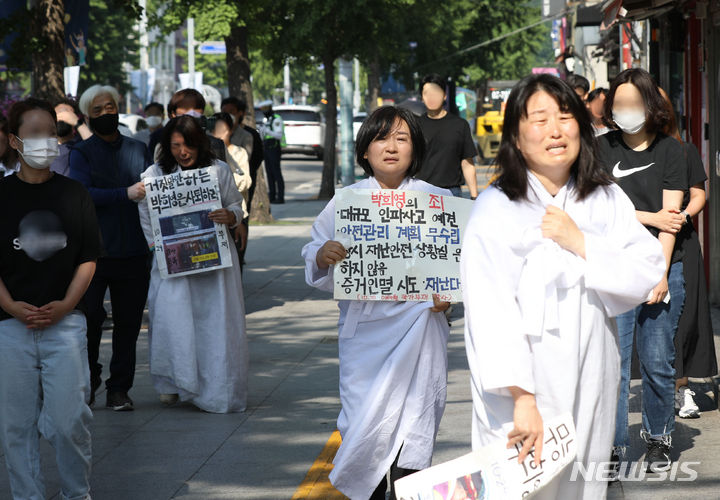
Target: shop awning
[635,10]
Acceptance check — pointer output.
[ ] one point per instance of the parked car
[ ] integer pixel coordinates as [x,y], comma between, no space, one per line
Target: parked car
[358,120]
[132,122]
[304,129]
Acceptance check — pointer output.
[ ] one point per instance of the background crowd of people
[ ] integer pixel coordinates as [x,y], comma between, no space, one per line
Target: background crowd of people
[598,186]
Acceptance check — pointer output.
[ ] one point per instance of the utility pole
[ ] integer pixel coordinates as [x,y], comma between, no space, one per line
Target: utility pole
[144,57]
[356,92]
[347,162]
[286,81]
[191,50]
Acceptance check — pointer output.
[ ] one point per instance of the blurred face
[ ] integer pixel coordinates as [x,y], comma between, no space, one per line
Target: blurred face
[433,96]
[36,124]
[103,104]
[222,131]
[237,115]
[581,93]
[185,155]
[596,107]
[628,98]
[548,138]
[391,157]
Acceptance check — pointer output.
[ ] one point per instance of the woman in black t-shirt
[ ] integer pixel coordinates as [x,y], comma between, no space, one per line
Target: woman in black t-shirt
[49,242]
[694,345]
[650,167]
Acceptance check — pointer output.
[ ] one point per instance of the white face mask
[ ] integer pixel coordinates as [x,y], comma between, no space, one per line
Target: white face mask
[39,153]
[194,114]
[630,121]
[153,121]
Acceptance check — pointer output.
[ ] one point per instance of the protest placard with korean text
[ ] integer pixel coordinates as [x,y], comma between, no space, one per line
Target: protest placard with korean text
[493,472]
[186,240]
[401,245]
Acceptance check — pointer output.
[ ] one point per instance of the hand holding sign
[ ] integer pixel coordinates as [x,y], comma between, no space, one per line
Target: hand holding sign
[330,254]
[136,192]
[223,216]
[528,425]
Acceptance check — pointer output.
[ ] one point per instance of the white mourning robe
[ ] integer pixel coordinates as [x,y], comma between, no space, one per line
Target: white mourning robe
[198,344]
[393,372]
[541,318]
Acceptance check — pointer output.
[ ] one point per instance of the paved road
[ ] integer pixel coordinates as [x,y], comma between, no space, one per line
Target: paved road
[158,453]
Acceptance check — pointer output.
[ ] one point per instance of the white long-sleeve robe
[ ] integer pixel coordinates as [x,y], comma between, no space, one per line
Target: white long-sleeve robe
[541,318]
[393,372]
[198,344]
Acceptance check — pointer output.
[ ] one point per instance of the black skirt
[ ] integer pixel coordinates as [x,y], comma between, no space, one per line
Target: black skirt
[694,344]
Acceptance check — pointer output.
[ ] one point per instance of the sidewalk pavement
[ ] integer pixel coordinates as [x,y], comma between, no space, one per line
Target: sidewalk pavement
[157,453]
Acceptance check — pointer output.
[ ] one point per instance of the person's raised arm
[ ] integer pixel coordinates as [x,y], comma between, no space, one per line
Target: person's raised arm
[80,170]
[468,170]
[672,199]
[665,219]
[697,200]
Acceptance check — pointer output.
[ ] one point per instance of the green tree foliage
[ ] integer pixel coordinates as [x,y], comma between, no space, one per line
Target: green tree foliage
[112,43]
[428,37]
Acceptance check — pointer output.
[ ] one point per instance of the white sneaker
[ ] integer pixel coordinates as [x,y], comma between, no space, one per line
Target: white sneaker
[168,399]
[685,404]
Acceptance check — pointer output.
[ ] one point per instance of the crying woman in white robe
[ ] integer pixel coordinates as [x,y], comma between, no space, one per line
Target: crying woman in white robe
[552,252]
[393,355]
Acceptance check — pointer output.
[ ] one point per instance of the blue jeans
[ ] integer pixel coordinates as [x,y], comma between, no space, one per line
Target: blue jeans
[44,383]
[456,191]
[655,325]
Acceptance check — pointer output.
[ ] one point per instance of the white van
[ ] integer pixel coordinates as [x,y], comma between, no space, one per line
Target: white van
[304,129]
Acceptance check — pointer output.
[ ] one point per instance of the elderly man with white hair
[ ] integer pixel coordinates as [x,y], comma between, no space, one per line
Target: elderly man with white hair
[109,164]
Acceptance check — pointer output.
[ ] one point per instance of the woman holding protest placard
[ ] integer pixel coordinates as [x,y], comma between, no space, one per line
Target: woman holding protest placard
[393,355]
[198,346]
[552,252]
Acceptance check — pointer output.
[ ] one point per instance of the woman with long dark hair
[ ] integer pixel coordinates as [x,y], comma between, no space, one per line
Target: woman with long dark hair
[650,168]
[198,345]
[552,251]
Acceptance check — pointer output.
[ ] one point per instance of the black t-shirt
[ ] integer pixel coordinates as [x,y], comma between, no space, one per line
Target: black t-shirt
[449,142]
[695,170]
[643,175]
[46,231]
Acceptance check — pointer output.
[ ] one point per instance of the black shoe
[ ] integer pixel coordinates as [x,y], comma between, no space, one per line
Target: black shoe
[95,383]
[657,456]
[614,474]
[119,401]
[277,201]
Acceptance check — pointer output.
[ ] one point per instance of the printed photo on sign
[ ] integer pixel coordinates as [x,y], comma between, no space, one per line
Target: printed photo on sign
[190,242]
[401,245]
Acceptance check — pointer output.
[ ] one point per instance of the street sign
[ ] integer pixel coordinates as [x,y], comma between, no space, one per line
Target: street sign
[212,47]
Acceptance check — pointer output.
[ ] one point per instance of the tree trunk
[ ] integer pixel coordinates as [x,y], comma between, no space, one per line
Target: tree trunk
[327,184]
[260,209]
[373,76]
[237,58]
[47,64]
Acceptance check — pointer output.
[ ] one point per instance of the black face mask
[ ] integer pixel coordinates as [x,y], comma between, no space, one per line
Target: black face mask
[106,124]
[64,129]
